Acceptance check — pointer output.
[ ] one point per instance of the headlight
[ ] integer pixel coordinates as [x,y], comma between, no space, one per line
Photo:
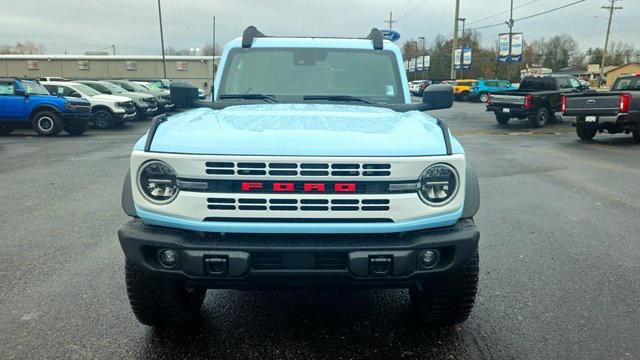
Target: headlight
[119,105]
[140,103]
[158,182]
[438,184]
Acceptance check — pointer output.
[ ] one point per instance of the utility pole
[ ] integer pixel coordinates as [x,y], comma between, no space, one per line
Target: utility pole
[510,24]
[164,65]
[424,50]
[390,21]
[213,56]
[454,45]
[611,8]
[113,47]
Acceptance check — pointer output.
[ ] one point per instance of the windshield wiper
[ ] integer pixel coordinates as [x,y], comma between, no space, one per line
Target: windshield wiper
[345,98]
[250,97]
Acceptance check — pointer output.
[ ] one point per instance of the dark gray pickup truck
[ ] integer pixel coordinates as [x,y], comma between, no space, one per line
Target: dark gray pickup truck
[615,111]
[537,99]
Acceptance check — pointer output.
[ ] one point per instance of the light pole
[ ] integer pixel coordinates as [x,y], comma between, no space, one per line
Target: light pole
[454,44]
[164,65]
[421,38]
[462,45]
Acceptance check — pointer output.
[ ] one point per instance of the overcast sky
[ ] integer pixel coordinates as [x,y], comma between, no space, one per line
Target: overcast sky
[132,25]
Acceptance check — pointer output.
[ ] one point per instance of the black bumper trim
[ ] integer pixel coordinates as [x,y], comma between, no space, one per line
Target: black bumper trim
[141,244]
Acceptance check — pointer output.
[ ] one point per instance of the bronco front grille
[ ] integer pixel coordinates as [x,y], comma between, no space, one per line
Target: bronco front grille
[297,169]
[292,204]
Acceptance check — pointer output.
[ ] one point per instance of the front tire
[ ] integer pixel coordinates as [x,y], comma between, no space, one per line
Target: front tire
[484,97]
[584,130]
[103,119]
[636,134]
[160,301]
[47,123]
[449,300]
[76,128]
[464,96]
[539,118]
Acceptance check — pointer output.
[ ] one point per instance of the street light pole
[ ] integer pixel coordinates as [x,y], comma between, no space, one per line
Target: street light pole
[164,65]
[423,53]
[611,8]
[462,44]
[510,24]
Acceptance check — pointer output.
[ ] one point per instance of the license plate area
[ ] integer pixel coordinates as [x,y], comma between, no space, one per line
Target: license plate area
[505,110]
[590,119]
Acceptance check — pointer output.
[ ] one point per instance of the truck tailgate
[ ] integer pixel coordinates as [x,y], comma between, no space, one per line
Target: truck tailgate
[503,99]
[593,104]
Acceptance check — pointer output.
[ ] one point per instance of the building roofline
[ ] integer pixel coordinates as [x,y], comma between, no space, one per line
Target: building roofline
[103,57]
[621,66]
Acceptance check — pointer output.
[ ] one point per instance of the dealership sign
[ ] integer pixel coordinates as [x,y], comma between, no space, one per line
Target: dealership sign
[421,63]
[390,35]
[510,51]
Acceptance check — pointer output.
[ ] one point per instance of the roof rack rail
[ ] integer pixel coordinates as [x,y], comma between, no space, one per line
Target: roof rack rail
[252,32]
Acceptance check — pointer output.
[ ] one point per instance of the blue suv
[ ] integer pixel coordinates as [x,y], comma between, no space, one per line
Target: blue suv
[26,103]
[482,88]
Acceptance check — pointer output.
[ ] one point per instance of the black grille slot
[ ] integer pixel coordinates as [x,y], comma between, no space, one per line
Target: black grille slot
[314,173]
[252,201]
[283,172]
[220,172]
[314,166]
[251,172]
[283,208]
[376,166]
[283,201]
[283,166]
[345,166]
[314,201]
[374,201]
[266,261]
[219,164]
[344,201]
[314,208]
[376,173]
[375,208]
[344,208]
[221,207]
[221,200]
[298,220]
[252,165]
[345,173]
[252,207]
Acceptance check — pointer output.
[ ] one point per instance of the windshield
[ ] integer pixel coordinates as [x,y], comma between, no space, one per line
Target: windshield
[34,88]
[137,87]
[125,85]
[152,85]
[628,83]
[299,72]
[115,89]
[86,90]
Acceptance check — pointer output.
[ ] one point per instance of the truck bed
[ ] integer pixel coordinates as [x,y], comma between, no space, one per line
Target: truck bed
[593,103]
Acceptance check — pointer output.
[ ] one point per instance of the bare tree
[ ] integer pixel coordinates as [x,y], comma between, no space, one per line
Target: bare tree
[26,47]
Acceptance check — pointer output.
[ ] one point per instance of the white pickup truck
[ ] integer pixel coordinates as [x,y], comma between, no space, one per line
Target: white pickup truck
[107,110]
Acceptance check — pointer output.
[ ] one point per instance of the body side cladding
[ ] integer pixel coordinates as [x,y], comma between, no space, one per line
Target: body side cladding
[44,107]
[471,194]
[152,130]
[127,197]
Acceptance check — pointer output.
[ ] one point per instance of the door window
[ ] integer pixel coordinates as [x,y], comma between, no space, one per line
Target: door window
[6,88]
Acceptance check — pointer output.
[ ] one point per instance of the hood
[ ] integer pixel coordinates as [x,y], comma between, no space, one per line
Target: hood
[107,97]
[300,130]
[135,95]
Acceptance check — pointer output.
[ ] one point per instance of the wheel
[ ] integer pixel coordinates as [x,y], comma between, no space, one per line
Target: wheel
[76,128]
[539,118]
[585,130]
[160,301]
[484,97]
[448,301]
[464,96]
[47,123]
[636,134]
[502,118]
[103,119]
[6,129]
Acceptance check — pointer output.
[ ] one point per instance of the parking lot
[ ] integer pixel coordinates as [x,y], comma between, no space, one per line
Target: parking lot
[559,260]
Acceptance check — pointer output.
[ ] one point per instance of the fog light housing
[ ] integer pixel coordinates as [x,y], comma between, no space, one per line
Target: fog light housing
[168,258]
[428,258]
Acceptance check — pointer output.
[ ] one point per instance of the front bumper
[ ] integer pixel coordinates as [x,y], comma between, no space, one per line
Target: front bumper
[284,260]
[124,116]
[77,117]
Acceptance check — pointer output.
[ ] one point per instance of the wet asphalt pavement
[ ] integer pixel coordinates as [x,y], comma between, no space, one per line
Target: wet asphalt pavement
[559,259]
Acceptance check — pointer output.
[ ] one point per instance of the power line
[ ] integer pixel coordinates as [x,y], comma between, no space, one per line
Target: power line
[413,10]
[404,7]
[551,10]
[502,13]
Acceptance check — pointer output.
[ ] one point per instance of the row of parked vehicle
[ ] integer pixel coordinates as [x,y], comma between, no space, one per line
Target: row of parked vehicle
[53,104]
[465,89]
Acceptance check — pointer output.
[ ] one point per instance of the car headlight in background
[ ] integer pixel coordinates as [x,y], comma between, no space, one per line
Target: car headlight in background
[120,105]
[438,184]
[158,182]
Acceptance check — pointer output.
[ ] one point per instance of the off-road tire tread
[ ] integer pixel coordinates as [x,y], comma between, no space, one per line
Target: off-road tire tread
[58,124]
[448,301]
[160,301]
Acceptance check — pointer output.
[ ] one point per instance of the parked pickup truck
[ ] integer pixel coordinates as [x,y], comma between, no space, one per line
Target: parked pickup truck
[27,104]
[537,99]
[107,110]
[310,167]
[613,111]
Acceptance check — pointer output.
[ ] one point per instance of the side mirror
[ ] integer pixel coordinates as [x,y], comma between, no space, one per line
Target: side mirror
[75,94]
[438,96]
[19,92]
[183,94]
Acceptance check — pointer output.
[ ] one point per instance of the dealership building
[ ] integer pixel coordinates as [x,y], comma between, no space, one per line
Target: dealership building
[197,70]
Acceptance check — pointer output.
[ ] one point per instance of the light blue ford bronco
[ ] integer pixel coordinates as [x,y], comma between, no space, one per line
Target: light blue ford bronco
[310,167]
